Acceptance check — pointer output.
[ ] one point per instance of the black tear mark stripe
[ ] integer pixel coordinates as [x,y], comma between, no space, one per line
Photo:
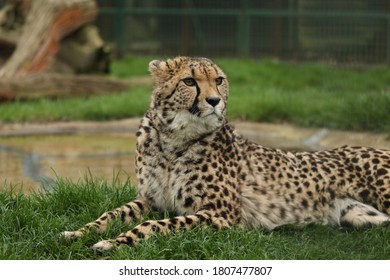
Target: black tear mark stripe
[194,110]
[197,92]
[173,91]
[217,74]
[220,94]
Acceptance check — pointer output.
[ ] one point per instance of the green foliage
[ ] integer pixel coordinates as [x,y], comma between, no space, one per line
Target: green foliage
[260,90]
[30,227]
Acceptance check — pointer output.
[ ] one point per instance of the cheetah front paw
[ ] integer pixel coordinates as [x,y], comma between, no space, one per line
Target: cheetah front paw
[104,245]
[68,235]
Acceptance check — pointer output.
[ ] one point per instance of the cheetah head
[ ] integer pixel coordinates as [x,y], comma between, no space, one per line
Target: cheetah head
[189,95]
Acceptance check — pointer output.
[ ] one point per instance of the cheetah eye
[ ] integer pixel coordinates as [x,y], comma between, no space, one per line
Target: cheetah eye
[189,82]
[219,81]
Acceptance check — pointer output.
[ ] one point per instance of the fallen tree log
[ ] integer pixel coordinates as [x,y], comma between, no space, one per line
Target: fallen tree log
[58,85]
[47,23]
[41,40]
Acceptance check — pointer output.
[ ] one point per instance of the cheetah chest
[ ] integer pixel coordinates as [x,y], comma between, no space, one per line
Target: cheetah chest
[173,185]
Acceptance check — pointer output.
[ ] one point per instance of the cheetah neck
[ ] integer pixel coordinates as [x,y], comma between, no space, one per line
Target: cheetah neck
[185,130]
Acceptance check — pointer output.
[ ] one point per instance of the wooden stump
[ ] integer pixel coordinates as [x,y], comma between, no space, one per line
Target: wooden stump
[46,24]
[42,40]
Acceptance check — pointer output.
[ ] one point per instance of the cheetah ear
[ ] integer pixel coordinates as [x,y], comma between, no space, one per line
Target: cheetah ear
[155,67]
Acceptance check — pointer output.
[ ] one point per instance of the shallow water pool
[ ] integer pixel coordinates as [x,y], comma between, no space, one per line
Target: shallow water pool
[31,162]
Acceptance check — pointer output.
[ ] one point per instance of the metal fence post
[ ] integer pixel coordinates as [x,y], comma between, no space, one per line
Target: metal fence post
[197,27]
[243,30]
[120,24]
[388,41]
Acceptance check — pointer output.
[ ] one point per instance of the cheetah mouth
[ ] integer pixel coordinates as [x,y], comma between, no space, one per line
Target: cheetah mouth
[212,112]
[199,114]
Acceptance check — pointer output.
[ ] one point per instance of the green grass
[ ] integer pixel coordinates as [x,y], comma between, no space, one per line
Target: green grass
[310,94]
[30,225]
[106,107]
[305,94]
[261,90]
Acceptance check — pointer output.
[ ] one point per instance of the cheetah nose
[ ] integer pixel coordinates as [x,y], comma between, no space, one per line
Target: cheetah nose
[213,101]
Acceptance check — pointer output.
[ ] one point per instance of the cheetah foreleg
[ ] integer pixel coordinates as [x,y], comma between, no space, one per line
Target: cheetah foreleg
[164,226]
[128,212]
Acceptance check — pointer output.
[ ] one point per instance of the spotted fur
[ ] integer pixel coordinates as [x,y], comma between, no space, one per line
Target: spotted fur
[191,162]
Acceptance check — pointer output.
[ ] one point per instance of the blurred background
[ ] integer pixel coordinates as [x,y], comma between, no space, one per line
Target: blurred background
[344,31]
[304,75]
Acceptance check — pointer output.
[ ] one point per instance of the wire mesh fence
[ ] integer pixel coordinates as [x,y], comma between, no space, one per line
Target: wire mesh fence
[335,30]
[345,31]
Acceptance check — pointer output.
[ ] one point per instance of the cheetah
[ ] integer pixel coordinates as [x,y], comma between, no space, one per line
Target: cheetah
[192,163]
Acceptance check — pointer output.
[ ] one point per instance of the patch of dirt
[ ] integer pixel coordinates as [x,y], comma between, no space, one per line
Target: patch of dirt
[290,136]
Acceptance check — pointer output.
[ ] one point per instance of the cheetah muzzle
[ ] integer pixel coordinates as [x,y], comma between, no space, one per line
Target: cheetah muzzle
[191,162]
